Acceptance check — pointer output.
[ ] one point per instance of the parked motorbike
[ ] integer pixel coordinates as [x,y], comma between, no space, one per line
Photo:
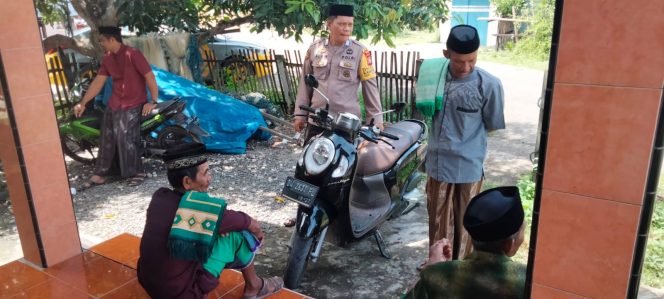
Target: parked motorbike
[164,127]
[349,180]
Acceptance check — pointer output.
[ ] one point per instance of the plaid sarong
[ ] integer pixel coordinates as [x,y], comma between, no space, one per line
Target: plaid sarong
[194,230]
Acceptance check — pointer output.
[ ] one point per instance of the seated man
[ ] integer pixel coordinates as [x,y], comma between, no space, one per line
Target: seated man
[495,221]
[162,274]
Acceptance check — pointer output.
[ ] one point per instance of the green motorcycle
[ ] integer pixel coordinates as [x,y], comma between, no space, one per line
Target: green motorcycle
[164,127]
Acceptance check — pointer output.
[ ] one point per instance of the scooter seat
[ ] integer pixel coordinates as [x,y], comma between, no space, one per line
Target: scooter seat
[379,157]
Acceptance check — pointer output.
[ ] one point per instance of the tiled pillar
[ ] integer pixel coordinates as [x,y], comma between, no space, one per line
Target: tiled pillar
[606,99]
[30,145]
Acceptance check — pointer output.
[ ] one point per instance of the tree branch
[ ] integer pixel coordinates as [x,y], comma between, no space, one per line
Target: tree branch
[59,40]
[222,26]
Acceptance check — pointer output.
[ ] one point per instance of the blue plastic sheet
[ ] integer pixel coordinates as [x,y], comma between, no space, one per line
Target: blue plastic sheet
[229,121]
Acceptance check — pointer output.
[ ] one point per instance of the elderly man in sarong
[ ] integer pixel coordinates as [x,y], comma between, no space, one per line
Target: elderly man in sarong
[190,236]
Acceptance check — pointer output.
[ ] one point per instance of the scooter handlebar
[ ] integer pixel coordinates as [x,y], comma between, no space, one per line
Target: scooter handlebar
[308,109]
[388,135]
[367,137]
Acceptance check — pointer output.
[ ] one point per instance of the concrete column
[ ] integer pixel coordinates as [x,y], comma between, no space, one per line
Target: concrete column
[605,100]
[30,147]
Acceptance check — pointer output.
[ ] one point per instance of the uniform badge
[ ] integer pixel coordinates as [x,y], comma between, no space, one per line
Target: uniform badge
[367,56]
[346,74]
[349,51]
[347,64]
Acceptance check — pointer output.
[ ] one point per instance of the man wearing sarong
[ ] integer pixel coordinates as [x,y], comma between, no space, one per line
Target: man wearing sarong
[495,221]
[120,128]
[190,237]
[465,103]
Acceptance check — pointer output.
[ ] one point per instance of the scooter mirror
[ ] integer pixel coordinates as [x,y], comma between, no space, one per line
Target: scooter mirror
[398,107]
[311,81]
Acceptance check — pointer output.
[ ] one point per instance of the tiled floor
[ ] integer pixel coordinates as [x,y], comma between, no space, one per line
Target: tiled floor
[107,270]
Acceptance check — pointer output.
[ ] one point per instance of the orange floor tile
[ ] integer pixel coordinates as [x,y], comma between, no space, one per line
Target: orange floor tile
[107,270]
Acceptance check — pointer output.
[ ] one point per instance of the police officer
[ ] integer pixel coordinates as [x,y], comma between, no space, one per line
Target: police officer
[340,64]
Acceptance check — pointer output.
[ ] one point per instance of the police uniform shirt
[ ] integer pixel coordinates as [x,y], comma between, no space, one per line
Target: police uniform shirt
[458,138]
[340,70]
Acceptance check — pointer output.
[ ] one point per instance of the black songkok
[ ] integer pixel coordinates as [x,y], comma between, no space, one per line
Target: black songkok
[494,214]
[111,30]
[463,39]
[185,156]
[341,10]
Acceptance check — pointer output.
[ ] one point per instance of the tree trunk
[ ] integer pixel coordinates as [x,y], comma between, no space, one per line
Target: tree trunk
[59,40]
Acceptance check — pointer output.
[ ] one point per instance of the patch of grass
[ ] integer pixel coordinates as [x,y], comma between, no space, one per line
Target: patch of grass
[511,58]
[653,266]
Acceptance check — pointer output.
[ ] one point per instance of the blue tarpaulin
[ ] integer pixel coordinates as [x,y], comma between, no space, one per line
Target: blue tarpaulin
[229,121]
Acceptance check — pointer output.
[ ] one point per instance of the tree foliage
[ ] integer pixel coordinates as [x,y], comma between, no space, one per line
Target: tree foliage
[505,8]
[378,18]
[537,41]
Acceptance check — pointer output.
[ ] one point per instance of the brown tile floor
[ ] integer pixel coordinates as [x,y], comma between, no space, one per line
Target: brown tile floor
[107,270]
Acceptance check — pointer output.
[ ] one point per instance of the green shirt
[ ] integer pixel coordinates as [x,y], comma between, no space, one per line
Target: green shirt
[480,275]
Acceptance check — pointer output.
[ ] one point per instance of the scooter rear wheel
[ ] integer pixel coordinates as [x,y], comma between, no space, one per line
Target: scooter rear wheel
[171,136]
[297,260]
[79,150]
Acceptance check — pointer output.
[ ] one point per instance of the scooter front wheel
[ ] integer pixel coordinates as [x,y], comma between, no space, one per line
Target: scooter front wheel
[297,260]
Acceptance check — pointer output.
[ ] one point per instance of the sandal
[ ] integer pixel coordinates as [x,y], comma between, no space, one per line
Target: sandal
[137,180]
[89,184]
[269,287]
[289,222]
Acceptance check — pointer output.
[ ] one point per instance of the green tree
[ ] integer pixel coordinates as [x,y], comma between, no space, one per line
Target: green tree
[537,40]
[384,19]
[505,8]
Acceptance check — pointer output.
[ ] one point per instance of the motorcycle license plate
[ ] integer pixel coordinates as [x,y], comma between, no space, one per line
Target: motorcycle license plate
[299,191]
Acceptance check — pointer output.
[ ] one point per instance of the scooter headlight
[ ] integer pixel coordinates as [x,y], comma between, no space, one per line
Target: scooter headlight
[340,171]
[319,155]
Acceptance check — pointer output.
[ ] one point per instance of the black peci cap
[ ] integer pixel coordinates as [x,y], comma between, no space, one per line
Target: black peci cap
[185,156]
[463,39]
[341,10]
[494,214]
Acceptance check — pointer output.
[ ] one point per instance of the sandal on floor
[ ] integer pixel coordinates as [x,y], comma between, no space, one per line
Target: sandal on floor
[89,184]
[269,287]
[137,180]
[289,222]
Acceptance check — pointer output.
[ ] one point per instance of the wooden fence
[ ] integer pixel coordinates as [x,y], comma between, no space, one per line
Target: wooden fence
[278,77]
[275,76]
[62,72]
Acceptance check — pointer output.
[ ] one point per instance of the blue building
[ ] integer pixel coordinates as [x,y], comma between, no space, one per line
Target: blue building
[467,12]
